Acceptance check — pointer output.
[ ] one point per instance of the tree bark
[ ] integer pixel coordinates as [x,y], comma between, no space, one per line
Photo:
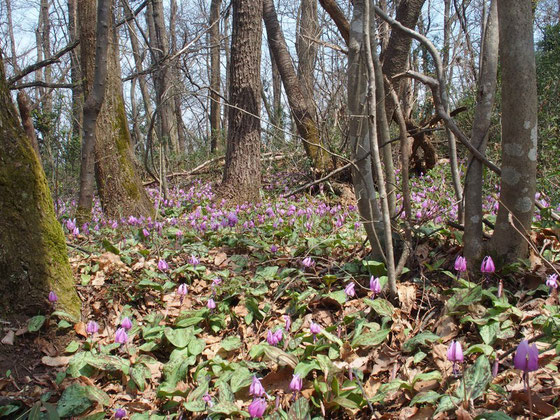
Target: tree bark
[75,72]
[119,186]
[339,18]
[472,238]
[163,78]
[27,121]
[519,130]
[215,75]
[302,110]
[306,48]
[242,170]
[33,255]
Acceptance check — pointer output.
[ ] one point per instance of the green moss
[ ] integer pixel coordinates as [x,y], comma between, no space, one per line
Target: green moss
[33,255]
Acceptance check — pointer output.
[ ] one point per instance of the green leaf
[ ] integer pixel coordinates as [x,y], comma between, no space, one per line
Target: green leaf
[339,296]
[72,347]
[493,415]
[231,343]
[139,372]
[175,370]
[489,331]
[346,403]
[381,306]
[196,346]
[180,337]
[35,412]
[110,247]
[464,297]
[429,397]
[421,339]
[66,316]
[480,348]
[434,375]
[8,409]
[303,368]
[35,323]
[375,268]
[73,402]
[299,410]
[446,403]
[370,339]
[241,378]
[195,406]
[98,395]
[331,337]
[476,377]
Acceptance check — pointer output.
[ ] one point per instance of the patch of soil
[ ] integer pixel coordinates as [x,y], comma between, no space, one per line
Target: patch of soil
[24,377]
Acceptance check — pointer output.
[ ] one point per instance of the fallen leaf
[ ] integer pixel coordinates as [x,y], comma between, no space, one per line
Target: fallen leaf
[80,329]
[9,338]
[55,361]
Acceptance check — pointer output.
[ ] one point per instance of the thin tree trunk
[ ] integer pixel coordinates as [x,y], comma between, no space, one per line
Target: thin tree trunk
[75,72]
[519,130]
[176,71]
[242,170]
[306,48]
[472,238]
[92,105]
[301,108]
[215,75]
[33,255]
[13,58]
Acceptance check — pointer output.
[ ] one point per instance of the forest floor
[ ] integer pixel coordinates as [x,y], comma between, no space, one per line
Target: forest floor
[298,265]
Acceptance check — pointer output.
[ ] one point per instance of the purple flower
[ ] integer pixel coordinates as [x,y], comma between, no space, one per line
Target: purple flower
[162,265]
[455,352]
[273,248]
[487,265]
[296,384]
[121,336]
[256,389]
[120,413]
[207,399]
[288,322]
[552,281]
[314,329]
[526,357]
[211,304]
[52,297]
[374,285]
[126,323]
[145,232]
[495,368]
[273,338]
[461,264]
[193,260]
[308,262]
[257,408]
[349,290]
[455,355]
[92,327]
[182,290]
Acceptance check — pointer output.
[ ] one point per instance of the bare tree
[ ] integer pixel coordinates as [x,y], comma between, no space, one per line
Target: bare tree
[215,74]
[519,130]
[472,239]
[105,124]
[300,105]
[242,171]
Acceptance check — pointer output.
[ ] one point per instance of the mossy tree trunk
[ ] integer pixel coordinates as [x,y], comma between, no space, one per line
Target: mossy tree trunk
[118,183]
[33,255]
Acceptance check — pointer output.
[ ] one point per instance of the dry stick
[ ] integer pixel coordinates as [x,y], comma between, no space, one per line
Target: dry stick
[374,146]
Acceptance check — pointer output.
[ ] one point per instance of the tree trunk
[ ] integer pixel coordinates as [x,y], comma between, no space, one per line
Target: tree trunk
[13,58]
[337,15]
[395,57]
[75,73]
[33,255]
[472,237]
[176,72]
[362,172]
[302,110]
[306,48]
[242,171]
[27,121]
[163,78]
[215,75]
[519,130]
[120,188]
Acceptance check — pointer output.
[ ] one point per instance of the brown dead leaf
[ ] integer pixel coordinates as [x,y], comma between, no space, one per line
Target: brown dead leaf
[462,414]
[220,259]
[55,361]
[9,338]
[407,296]
[99,279]
[439,353]
[80,329]
[447,328]
[539,405]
